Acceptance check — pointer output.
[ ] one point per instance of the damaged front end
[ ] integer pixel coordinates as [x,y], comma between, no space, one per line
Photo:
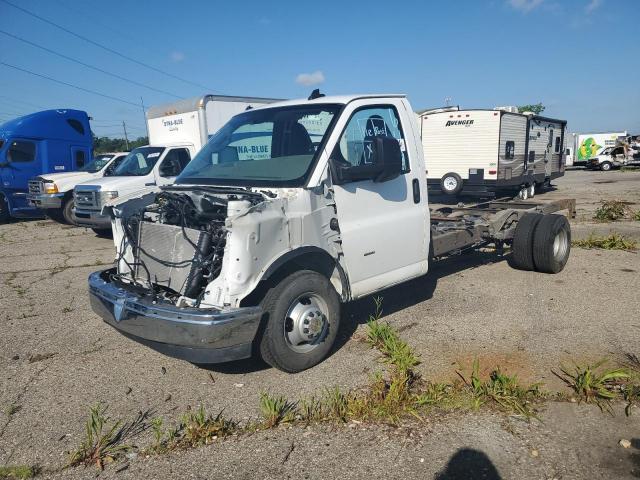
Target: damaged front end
[170,247]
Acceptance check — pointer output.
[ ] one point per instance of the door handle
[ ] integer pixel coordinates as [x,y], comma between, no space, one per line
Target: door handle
[416,191]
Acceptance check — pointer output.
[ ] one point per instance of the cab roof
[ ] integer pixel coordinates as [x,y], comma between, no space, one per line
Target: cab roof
[335,99]
[58,124]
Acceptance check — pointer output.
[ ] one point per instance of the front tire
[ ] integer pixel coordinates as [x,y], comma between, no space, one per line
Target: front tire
[303,316]
[5,216]
[605,166]
[103,232]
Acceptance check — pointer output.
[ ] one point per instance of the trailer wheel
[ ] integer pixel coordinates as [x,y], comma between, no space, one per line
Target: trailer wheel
[531,190]
[303,316]
[451,184]
[605,166]
[522,248]
[552,243]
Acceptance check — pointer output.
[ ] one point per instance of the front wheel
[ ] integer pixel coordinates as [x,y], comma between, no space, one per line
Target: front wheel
[303,315]
[605,166]
[5,216]
[103,232]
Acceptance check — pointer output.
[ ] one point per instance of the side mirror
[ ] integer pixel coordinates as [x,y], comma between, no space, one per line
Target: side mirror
[382,162]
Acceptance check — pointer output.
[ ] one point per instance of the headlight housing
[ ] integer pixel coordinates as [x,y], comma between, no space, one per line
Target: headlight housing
[50,187]
[109,195]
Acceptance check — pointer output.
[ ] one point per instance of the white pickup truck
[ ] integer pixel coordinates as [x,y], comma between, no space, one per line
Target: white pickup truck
[53,192]
[253,254]
[142,169]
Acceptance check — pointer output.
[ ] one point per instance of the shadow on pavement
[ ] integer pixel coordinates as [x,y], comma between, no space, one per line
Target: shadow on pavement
[469,464]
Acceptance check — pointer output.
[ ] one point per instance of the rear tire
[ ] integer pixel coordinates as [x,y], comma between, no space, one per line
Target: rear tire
[552,243]
[103,232]
[522,248]
[303,316]
[451,184]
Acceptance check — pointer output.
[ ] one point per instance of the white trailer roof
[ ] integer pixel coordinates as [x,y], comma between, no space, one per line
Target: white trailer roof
[192,104]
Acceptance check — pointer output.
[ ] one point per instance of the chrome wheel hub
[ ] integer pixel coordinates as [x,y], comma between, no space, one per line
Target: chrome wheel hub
[306,324]
[560,245]
[450,183]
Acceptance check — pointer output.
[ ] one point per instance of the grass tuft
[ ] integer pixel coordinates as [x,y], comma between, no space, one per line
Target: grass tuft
[612,210]
[614,241]
[197,428]
[593,383]
[103,444]
[276,410]
[18,472]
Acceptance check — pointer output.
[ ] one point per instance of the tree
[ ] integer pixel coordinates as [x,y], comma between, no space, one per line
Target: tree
[537,108]
[107,144]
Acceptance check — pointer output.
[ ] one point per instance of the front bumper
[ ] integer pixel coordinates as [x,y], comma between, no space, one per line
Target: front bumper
[46,200]
[197,335]
[91,218]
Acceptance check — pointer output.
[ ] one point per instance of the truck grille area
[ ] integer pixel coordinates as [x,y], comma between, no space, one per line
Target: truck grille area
[170,256]
[35,187]
[86,199]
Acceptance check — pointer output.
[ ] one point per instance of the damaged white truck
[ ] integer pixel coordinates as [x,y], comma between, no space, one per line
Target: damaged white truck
[288,211]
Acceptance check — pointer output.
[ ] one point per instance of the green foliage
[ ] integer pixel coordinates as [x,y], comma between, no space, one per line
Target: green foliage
[614,241]
[18,472]
[103,444]
[613,210]
[536,108]
[592,383]
[276,410]
[198,428]
[107,144]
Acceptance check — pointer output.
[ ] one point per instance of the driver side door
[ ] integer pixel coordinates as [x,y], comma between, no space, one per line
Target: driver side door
[384,226]
[172,165]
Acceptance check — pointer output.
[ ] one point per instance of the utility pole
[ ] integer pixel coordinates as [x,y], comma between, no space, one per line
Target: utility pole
[126,139]
[144,117]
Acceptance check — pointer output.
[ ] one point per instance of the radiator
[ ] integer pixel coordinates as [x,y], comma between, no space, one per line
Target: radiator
[167,243]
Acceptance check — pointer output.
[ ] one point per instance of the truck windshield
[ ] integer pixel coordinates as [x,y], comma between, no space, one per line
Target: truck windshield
[139,162]
[266,147]
[97,164]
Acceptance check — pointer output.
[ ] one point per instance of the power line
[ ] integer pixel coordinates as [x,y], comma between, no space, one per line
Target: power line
[98,69]
[104,47]
[22,101]
[69,84]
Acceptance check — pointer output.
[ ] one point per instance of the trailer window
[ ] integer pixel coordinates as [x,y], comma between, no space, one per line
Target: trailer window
[532,156]
[557,149]
[21,151]
[509,150]
[550,138]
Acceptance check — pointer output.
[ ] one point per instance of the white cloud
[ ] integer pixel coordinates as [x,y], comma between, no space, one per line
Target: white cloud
[525,6]
[592,6]
[177,56]
[310,79]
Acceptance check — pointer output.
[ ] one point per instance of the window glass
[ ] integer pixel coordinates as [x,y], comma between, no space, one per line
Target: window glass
[267,146]
[139,162]
[76,125]
[363,127]
[532,156]
[557,149]
[509,149]
[174,162]
[79,158]
[21,151]
[550,138]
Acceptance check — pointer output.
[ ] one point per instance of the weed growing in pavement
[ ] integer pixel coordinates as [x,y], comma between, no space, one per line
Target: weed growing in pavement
[614,241]
[12,409]
[276,410]
[592,383]
[199,428]
[18,472]
[612,210]
[103,444]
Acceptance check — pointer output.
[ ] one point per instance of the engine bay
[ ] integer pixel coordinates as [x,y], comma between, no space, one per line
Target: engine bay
[174,247]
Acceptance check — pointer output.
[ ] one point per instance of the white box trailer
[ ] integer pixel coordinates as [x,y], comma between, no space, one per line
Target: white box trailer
[486,151]
[590,145]
[194,120]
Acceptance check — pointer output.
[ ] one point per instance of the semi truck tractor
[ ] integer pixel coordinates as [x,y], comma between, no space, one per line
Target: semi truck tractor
[51,141]
[253,255]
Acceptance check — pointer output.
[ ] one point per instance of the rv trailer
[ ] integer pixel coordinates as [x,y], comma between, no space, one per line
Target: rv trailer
[488,151]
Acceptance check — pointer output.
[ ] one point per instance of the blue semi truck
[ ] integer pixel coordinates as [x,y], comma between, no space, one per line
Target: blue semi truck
[50,141]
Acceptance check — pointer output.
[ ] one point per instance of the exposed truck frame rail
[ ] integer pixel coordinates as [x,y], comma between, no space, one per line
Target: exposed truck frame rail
[456,228]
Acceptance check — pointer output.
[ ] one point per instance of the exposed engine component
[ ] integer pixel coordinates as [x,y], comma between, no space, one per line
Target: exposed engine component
[177,243]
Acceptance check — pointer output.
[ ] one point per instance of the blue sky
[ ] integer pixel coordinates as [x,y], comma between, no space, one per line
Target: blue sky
[581,58]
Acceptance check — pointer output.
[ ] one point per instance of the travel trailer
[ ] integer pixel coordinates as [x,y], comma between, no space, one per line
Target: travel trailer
[489,151]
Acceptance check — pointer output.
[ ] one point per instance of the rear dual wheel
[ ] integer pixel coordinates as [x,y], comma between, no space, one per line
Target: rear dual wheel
[541,243]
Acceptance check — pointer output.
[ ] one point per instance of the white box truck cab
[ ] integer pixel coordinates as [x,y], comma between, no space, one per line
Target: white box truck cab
[53,193]
[491,151]
[254,253]
[143,168]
